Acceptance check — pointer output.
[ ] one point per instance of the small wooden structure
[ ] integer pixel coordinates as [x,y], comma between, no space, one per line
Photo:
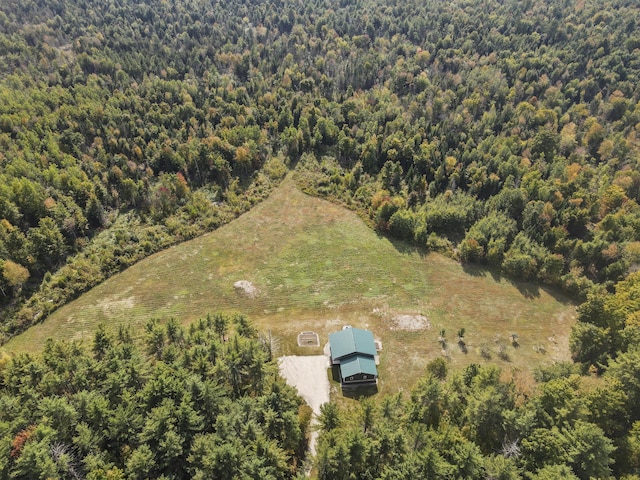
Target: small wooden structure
[308,339]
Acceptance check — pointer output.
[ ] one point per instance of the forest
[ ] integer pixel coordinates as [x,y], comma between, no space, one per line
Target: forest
[501,133]
[199,403]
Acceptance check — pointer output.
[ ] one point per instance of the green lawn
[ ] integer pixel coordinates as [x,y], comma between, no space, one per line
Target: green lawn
[317,267]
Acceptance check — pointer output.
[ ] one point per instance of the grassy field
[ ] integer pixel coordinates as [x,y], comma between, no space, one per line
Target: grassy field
[317,266]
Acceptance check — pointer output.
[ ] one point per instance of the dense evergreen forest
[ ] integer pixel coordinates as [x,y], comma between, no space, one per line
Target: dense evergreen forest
[476,425]
[500,132]
[194,404]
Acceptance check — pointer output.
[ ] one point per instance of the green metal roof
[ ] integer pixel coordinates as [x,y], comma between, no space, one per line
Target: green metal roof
[358,364]
[351,340]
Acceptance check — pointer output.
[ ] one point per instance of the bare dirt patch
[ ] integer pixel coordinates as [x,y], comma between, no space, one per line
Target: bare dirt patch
[246,288]
[308,375]
[113,305]
[410,323]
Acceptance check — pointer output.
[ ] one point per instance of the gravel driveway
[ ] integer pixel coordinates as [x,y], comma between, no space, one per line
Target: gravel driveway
[308,375]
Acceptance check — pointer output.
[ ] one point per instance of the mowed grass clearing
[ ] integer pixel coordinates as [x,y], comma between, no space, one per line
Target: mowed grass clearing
[318,267]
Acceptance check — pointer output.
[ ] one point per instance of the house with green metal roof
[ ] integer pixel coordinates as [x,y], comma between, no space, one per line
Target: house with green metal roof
[353,350]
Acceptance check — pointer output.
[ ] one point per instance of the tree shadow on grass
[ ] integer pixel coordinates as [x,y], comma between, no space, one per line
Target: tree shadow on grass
[560,296]
[477,270]
[527,289]
[530,290]
[404,247]
[360,391]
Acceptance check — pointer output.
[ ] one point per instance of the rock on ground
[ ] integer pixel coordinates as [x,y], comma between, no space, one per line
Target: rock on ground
[247,288]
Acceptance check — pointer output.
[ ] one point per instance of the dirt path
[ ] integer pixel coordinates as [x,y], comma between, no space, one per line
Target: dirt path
[309,376]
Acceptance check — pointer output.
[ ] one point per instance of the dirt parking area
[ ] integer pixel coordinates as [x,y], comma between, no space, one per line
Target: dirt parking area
[308,374]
